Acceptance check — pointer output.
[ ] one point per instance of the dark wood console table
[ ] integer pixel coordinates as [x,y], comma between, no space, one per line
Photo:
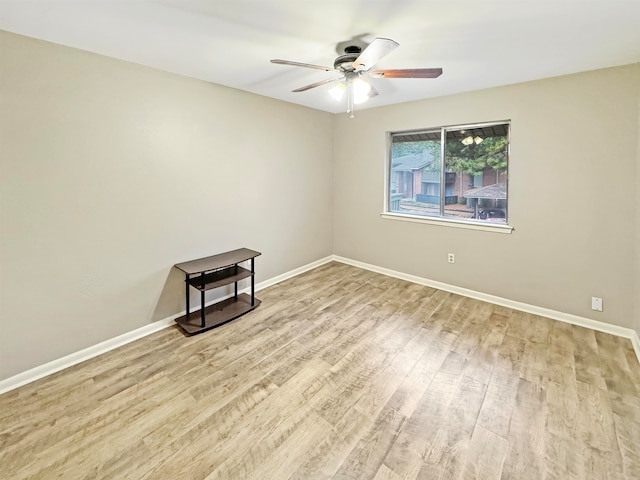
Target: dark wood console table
[212,272]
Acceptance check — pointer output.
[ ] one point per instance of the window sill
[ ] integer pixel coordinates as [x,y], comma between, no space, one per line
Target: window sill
[446,222]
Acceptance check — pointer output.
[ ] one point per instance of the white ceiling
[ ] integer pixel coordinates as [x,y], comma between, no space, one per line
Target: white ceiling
[478,43]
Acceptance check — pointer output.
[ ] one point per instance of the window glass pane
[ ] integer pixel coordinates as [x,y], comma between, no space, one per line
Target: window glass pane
[476,161]
[414,173]
[470,183]
[477,180]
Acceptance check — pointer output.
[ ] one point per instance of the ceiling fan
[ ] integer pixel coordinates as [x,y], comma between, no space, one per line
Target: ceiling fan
[355,65]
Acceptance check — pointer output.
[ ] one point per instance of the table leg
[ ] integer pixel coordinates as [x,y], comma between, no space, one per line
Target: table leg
[186,284]
[252,283]
[202,313]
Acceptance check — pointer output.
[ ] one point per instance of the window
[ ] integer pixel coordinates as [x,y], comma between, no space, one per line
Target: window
[454,173]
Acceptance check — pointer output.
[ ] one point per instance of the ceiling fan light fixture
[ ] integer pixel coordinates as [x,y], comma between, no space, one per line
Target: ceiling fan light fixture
[361,89]
[337,92]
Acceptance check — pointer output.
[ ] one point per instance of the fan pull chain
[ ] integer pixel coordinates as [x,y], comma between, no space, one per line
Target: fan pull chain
[350,99]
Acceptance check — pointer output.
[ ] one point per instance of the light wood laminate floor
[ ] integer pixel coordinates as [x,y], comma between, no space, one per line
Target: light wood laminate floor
[340,373]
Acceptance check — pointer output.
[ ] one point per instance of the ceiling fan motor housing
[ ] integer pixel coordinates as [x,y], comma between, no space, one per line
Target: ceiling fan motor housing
[345,62]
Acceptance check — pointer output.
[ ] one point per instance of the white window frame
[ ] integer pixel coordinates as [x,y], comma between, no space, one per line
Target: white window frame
[471,224]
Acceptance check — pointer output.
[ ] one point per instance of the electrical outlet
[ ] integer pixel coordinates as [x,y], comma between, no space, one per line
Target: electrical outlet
[596,304]
[451,258]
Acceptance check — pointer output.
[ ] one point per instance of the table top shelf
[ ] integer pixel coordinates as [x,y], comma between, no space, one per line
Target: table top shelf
[217,262]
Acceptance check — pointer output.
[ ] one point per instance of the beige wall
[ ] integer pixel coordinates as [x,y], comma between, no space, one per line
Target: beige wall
[637,247]
[112,172]
[572,194]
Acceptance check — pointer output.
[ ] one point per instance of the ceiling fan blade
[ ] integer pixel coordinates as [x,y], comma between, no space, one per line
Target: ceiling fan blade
[407,73]
[374,52]
[306,65]
[317,84]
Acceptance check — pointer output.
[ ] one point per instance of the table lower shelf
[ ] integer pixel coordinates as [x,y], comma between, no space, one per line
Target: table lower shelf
[217,314]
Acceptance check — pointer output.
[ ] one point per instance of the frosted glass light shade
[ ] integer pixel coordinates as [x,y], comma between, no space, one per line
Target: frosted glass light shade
[361,89]
[337,92]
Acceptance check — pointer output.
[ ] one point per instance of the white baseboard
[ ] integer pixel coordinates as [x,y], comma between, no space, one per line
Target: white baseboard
[632,335]
[635,341]
[293,273]
[54,366]
[82,355]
